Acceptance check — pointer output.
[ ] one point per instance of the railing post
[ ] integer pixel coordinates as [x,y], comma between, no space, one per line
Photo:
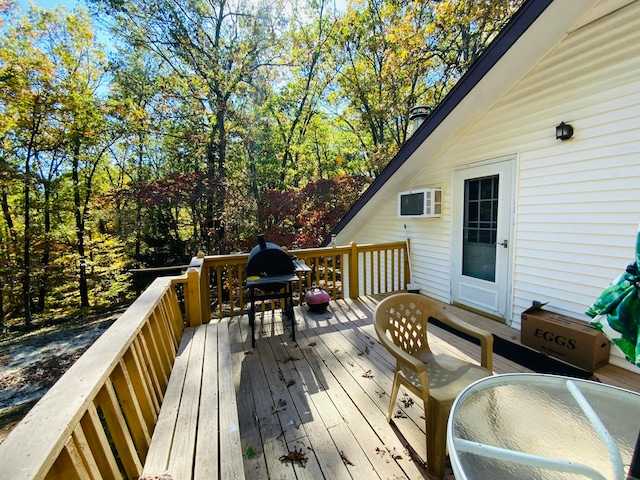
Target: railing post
[354,283]
[192,297]
[205,290]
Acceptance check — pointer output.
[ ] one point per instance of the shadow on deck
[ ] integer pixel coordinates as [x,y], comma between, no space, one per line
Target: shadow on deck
[322,401]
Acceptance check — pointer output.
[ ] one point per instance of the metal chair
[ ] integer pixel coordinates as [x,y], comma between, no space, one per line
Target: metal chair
[401,325]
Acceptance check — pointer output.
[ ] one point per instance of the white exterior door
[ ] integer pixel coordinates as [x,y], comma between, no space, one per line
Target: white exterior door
[482,228]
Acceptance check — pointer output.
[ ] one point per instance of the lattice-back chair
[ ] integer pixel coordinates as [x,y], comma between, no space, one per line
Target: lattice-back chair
[401,325]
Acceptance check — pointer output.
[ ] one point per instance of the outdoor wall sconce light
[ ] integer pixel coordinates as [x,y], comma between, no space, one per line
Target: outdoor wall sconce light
[564,131]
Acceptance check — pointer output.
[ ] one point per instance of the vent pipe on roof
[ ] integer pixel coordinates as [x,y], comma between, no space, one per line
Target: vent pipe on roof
[417,115]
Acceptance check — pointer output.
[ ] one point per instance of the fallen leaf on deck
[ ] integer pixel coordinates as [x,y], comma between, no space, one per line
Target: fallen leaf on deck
[399,414]
[367,374]
[249,452]
[162,476]
[406,400]
[279,407]
[381,393]
[394,454]
[248,352]
[296,456]
[345,459]
[384,450]
[290,359]
[312,344]
[291,383]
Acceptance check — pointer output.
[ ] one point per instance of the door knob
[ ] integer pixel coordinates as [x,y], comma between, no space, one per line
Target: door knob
[505,243]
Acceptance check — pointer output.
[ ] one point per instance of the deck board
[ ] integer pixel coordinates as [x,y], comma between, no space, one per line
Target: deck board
[333,413]
[372,431]
[206,464]
[158,459]
[182,452]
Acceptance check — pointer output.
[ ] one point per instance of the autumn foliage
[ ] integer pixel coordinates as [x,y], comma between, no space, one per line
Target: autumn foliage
[303,218]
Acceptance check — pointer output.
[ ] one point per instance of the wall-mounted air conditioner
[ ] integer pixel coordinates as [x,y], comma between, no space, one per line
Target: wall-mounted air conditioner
[420,203]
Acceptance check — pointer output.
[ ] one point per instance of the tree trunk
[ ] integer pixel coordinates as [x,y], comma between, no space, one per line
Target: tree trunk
[84,290]
[46,255]
[216,169]
[26,271]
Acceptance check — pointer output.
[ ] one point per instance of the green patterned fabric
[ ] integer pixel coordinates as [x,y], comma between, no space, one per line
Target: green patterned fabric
[616,312]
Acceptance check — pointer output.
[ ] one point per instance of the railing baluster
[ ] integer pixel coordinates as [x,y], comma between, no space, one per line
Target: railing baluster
[167,352]
[240,277]
[334,276]
[99,443]
[108,402]
[84,450]
[147,370]
[141,384]
[69,464]
[393,269]
[220,290]
[131,409]
[379,273]
[157,354]
[371,272]
[147,376]
[168,325]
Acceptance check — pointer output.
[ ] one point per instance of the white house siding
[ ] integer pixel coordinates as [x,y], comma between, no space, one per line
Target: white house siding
[577,202]
[430,248]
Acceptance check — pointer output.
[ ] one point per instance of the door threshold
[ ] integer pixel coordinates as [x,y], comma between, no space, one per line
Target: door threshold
[497,318]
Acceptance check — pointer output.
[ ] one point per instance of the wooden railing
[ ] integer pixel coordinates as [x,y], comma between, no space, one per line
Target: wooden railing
[96,422]
[343,271]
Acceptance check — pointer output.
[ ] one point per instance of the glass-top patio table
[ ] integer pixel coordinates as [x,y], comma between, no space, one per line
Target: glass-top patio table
[534,426]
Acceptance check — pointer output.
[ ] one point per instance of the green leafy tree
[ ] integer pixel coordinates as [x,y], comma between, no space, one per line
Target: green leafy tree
[53,136]
[215,47]
[305,79]
[29,103]
[80,70]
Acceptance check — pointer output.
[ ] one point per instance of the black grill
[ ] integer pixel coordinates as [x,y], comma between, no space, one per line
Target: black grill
[270,271]
[268,259]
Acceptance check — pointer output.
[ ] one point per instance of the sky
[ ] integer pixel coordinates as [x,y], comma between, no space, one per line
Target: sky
[70,4]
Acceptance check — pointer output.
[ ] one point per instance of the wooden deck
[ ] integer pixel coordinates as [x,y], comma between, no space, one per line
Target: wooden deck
[323,399]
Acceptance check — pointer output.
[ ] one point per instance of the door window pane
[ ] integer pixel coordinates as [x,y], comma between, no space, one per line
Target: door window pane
[480,228]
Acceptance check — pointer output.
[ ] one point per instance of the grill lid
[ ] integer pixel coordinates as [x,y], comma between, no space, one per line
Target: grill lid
[268,259]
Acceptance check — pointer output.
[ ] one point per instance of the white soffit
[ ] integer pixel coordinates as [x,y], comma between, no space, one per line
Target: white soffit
[602,9]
